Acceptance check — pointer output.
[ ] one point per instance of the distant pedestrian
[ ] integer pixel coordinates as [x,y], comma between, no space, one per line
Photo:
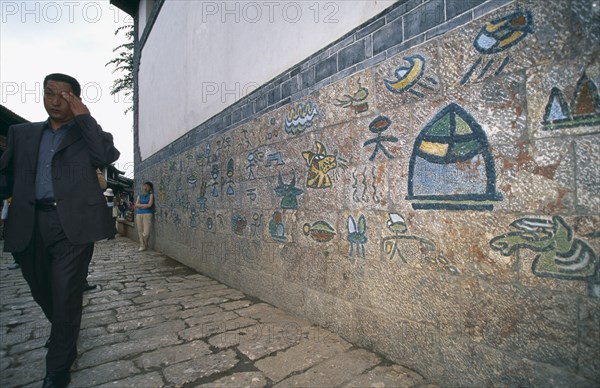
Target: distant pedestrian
[112,203]
[145,212]
[57,211]
[116,204]
[123,205]
[4,216]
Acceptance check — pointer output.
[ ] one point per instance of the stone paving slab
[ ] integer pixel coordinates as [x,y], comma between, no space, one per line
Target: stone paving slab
[242,379]
[335,371]
[153,322]
[104,373]
[386,376]
[173,355]
[192,370]
[300,357]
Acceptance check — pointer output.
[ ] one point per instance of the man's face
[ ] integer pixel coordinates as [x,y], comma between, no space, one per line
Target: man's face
[57,107]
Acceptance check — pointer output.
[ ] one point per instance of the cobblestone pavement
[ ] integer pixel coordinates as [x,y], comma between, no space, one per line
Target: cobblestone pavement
[153,322]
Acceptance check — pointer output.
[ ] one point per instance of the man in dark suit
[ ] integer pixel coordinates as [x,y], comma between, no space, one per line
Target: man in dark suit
[57,211]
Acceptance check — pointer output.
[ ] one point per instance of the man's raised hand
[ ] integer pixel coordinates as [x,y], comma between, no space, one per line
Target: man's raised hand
[77,106]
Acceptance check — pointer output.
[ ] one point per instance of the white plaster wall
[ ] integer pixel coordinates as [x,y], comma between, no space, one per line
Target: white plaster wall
[202,56]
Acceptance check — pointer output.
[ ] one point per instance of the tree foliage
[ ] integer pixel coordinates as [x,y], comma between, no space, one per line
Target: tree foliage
[123,64]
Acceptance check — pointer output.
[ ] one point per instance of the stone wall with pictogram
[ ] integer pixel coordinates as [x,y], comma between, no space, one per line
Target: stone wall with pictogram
[439,203]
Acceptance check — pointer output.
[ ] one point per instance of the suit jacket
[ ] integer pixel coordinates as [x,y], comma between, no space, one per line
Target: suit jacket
[81,206]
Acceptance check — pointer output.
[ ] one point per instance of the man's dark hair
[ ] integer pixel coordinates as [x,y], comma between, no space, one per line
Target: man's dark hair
[150,185]
[64,78]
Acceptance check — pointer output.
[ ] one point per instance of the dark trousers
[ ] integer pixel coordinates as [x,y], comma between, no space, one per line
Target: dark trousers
[55,271]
